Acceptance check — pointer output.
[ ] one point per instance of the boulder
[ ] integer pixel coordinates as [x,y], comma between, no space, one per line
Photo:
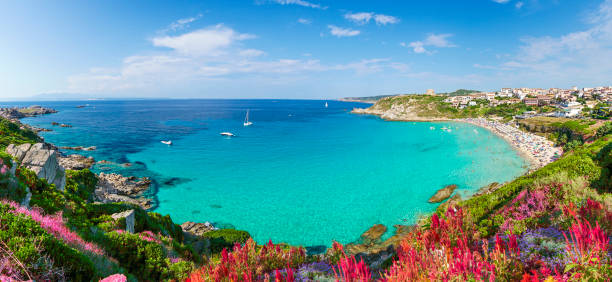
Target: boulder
[42,159]
[76,162]
[114,187]
[129,216]
[443,194]
[197,229]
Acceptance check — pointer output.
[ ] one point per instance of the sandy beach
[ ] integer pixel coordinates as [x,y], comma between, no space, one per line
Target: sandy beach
[538,150]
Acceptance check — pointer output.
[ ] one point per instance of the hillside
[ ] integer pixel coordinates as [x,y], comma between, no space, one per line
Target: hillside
[433,107]
[508,232]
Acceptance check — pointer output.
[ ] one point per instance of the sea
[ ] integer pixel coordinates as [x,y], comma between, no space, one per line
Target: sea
[302,173]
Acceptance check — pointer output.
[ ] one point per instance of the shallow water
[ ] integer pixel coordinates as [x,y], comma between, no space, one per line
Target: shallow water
[301,174]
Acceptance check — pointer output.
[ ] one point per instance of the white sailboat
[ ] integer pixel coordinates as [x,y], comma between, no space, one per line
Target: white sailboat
[326,105]
[246,119]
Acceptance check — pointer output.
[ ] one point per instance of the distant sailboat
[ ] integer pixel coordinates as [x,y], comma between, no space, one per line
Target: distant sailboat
[326,105]
[246,119]
[169,142]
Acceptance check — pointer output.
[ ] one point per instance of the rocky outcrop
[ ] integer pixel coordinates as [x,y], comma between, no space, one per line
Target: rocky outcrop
[114,187]
[372,249]
[389,109]
[443,194]
[193,235]
[129,217]
[42,159]
[197,229]
[76,162]
[17,113]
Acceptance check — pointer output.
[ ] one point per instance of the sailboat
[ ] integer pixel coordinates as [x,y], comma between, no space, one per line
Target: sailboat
[326,105]
[246,119]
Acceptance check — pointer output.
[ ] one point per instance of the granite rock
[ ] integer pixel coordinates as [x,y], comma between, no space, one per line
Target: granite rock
[42,159]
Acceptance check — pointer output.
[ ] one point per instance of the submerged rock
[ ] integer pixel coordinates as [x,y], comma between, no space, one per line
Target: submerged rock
[443,194]
[373,235]
[42,159]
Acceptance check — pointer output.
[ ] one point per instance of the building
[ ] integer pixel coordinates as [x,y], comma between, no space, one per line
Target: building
[430,92]
[544,100]
[531,101]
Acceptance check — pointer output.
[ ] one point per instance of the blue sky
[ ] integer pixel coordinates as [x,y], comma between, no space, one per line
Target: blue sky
[299,48]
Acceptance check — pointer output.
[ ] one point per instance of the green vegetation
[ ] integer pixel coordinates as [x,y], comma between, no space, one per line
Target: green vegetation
[428,106]
[588,165]
[460,92]
[226,238]
[11,133]
[40,252]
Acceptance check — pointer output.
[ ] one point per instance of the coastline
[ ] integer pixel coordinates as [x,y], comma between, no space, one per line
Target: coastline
[537,150]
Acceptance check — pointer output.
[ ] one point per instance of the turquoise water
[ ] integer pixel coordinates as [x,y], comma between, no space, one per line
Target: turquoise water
[302,174]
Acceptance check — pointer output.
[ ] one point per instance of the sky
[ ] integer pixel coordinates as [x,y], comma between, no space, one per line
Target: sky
[299,49]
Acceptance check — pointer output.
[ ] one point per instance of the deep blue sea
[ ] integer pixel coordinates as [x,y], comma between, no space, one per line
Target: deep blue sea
[302,173]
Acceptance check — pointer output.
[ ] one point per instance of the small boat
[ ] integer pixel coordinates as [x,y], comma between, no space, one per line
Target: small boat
[326,105]
[431,128]
[169,142]
[246,120]
[444,128]
[228,134]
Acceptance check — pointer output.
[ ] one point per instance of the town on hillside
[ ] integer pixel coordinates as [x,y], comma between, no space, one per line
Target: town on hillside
[574,102]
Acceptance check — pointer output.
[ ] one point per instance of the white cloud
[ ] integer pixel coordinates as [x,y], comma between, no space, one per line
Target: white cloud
[359,18]
[519,5]
[365,17]
[299,3]
[578,57]
[206,41]
[342,32]
[385,19]
[304,21]
[181,23]
[212,57]
[435,40]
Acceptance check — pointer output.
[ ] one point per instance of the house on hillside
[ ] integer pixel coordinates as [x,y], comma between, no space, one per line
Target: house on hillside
[531,101]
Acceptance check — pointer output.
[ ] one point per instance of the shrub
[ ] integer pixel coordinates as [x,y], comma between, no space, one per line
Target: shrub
[225,238]
[145,259]
[250,263]
[81,183]
[38,250]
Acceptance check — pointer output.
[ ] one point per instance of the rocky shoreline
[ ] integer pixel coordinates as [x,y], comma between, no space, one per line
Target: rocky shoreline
[18,113]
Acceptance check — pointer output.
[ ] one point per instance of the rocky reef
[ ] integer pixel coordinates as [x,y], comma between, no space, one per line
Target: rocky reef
[114,187]
[76,162]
